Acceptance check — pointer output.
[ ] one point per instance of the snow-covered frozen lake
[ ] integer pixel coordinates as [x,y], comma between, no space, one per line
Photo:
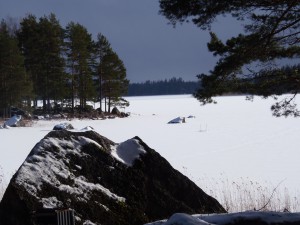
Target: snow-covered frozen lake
[234,140]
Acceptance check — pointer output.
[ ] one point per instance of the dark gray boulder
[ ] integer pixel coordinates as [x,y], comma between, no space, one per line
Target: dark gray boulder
[103,182]
[116,111]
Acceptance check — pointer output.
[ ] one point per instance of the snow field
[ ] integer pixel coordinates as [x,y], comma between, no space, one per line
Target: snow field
[230,146]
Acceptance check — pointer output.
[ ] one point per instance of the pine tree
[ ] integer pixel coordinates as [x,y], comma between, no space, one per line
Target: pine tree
[28,37]
[41,43]
[115,83]
[79,59]
[52,80]
[15,86]
[247,62]
[102,48]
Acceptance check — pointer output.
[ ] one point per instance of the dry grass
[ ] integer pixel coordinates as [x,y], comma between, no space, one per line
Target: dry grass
[245,194]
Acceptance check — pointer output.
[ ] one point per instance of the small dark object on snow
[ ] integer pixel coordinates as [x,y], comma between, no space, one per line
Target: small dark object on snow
[115,111]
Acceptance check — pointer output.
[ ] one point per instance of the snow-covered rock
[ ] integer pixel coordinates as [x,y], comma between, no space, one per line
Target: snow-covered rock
[184,219]
[63,126]
[241,218]
[104,182]
[177,120]
[87,128]
[13,121]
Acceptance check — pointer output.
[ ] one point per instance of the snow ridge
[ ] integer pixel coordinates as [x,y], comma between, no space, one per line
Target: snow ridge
[128,151]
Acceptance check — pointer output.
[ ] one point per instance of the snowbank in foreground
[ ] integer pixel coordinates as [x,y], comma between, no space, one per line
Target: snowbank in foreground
[232,218]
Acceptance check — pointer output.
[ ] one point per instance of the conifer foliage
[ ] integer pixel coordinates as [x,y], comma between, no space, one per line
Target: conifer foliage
[41,60]
[250,62]
[114,79]
[41,42]
[79,56]
[14,83]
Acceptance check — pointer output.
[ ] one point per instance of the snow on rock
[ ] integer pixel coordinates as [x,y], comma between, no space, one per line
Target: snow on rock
[13,121]
[249,217]
[63,126]
[128,151]
[4,127]
[184,219]
[53,166]
[177,120]
[88,222]
[51,202]
[259,217]
[104,182]
[87,128]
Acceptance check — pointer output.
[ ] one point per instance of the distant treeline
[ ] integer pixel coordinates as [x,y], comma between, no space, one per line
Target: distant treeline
[163,87]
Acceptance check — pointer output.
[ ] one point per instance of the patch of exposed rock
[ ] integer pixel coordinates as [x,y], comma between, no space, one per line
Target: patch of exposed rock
[104,182]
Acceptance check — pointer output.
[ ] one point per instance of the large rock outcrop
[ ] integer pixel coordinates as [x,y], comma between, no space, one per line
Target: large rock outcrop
[104,182]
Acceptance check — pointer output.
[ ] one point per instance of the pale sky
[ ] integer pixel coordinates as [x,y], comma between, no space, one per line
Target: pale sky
[150,48]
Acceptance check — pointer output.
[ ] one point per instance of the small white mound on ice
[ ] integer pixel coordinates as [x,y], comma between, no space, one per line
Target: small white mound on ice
[128,151]
[88,128]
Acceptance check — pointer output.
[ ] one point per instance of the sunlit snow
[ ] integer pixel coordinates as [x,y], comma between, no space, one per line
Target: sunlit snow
[127,151]
[221,219]
[221,143]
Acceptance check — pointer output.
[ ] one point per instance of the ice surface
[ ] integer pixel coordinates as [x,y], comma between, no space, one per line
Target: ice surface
[230,140]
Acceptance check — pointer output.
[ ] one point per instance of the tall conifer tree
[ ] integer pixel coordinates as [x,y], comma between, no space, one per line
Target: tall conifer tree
[41,43]
[14,83]
[79,58]
[115,83]
[52,80]
[28,37]
[102,48]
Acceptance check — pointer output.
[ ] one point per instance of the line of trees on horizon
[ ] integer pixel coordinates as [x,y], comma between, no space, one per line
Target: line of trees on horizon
[170,86]
[41,60]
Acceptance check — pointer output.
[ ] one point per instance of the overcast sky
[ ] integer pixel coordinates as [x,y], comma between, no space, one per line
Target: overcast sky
[150,48]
